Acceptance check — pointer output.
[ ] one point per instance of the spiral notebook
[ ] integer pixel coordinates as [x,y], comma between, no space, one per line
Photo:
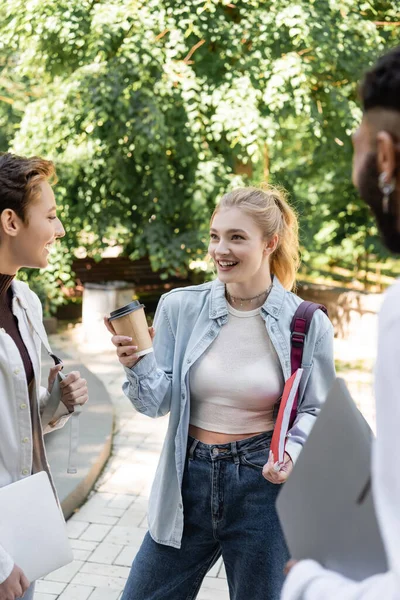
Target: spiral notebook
[32,528]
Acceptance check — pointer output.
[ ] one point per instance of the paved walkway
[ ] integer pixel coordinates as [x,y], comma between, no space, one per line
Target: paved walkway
[107,530]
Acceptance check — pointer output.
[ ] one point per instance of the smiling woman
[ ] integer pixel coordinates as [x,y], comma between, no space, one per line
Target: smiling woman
[220,360]
[28,213]
[28,227]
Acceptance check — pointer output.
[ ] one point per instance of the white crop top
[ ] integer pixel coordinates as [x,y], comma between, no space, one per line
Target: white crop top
[235,384]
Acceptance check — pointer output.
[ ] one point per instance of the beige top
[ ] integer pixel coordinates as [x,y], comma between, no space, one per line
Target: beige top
[235,384]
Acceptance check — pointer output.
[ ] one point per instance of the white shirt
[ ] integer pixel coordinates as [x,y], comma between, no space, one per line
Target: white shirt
[308,580]
[16,422]
[236,383]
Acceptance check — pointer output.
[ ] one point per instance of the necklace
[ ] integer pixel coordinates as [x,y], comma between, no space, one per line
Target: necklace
[241,300]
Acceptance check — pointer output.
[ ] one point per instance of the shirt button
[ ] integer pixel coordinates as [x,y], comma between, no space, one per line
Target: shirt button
[25,472]
[16,371]
[183,396]
[22,406]
[189,360]
[180,505]
[274,310]
[25,440]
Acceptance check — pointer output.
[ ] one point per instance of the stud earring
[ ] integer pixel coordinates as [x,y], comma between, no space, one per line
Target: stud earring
[386,187]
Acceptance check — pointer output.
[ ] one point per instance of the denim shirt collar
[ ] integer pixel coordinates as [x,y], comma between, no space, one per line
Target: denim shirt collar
[272,305]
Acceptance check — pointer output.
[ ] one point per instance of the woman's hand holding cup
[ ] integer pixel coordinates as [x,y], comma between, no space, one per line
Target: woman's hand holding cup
[126,351]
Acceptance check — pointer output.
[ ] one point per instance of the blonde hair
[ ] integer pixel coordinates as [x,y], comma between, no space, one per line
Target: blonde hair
[269,208]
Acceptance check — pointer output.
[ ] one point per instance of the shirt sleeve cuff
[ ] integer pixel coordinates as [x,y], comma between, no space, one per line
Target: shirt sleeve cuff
[6,565]
[142,368]
[293,449]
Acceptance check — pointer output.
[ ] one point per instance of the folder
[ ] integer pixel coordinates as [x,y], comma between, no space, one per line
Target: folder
[326,507]
[32,528]
[282,423]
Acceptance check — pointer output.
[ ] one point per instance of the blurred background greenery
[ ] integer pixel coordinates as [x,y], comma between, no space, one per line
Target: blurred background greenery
[152,109]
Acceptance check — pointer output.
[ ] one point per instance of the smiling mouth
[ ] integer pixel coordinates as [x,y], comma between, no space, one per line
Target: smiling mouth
[226,264]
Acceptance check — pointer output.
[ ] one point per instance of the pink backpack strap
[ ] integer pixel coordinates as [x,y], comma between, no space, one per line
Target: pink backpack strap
[299,328]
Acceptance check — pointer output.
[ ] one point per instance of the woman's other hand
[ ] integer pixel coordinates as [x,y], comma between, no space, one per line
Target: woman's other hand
[73,388]
[289,566]
[126,352]
[14,586]
[271,474]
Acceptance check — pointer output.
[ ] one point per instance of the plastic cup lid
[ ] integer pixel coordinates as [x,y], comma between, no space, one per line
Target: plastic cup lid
[125,310]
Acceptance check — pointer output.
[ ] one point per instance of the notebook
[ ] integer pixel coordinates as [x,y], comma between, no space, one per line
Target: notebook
[282,424]
[32,528]
[326,506]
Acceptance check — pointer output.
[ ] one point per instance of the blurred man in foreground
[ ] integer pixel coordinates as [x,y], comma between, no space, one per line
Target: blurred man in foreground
[376,173]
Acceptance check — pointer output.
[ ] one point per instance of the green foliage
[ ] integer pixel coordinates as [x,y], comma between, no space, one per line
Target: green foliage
[152,109]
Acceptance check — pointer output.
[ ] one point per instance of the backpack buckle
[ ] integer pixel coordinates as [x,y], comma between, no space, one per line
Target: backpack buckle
[298,339]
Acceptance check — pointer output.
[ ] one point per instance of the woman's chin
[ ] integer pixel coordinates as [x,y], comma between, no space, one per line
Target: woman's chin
[42,263]
[225,277]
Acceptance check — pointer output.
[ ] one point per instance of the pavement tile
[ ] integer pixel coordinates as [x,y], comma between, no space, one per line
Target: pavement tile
[213,572]
[95,533]
[65,574]
[126,536]
[104,594]
[222,572]
[97,501]
[107,570]
[91,516]
[101,581]
[121,501]
[81,554]
[40,596]
[129,478]
[126,556]
[83,545]
[105,553]
[49,587]
[112,512]
[210,594]
[76,528]
[76,592]
[133,517]
[214,583]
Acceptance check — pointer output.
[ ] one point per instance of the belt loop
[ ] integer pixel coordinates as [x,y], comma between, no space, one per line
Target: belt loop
[192,449]
[235,455]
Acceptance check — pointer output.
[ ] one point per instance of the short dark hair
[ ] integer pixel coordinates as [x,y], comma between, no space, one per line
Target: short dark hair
[381,85]
[20,178]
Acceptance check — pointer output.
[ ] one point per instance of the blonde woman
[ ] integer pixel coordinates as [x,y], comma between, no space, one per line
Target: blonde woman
[221,357]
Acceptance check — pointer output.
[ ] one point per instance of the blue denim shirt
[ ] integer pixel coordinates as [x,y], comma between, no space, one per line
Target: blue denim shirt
[187,321]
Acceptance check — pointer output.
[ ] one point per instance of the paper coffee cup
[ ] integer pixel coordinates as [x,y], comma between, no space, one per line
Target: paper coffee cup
[130,320]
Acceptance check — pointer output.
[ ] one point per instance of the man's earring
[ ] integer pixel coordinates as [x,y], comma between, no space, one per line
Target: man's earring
[386,187]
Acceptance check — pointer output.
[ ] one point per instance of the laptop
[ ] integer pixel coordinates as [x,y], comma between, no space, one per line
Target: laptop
[32,528]
[326,507]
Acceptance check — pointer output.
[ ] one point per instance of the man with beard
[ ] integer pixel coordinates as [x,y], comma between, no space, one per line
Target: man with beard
[376,173]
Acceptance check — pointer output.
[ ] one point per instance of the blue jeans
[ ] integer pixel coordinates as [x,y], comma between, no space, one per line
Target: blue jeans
[229,510]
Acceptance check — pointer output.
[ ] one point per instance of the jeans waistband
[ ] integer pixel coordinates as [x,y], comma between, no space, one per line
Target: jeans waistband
[230,449]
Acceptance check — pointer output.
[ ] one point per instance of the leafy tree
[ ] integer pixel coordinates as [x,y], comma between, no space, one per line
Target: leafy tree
[152,109]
